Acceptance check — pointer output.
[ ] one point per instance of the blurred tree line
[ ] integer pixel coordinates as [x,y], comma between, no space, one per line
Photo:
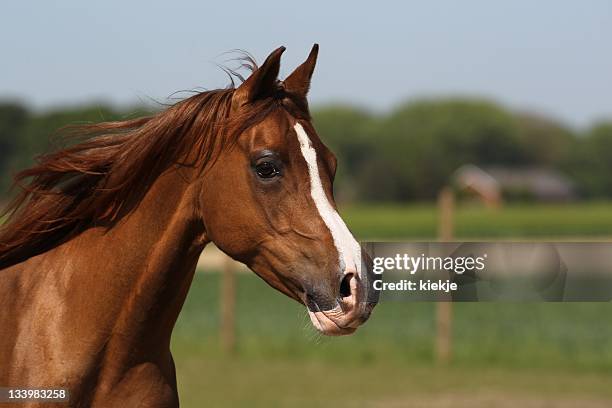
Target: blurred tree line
[411,152]
[407,154]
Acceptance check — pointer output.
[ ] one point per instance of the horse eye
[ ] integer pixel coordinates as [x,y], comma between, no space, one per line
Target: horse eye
[267,170]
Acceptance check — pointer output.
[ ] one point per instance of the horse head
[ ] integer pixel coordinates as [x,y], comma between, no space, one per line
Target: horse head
[268,202]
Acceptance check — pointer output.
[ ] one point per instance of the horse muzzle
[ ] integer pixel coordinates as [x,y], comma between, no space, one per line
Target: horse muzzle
[352,307]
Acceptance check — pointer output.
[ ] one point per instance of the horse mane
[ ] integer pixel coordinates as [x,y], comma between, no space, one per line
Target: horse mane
[97,181]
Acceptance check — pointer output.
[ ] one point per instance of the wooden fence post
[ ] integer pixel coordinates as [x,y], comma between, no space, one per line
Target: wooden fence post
[446,207]
[444,309]
[228,306]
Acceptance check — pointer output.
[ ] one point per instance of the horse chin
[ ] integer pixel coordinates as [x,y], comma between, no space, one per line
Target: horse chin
[328,325]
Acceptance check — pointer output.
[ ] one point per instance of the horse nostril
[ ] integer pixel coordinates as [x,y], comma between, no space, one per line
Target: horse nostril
[345,285]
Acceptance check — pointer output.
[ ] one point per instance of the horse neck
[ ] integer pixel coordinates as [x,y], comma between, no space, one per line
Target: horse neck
[142,267]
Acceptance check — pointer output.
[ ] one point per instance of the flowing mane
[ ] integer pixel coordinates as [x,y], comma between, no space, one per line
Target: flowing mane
[98,181]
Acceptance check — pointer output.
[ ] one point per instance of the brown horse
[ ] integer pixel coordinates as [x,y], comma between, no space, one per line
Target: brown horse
[101,245]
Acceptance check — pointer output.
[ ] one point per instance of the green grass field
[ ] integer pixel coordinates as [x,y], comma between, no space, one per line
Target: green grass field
[505,355]
[388,222]
[542,354]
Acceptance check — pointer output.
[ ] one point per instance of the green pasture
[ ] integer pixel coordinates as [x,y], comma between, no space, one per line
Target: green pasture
[504,355]
[501,351]
[512,221]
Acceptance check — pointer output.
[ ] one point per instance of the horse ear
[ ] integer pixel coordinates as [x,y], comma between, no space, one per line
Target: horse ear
[261,83]
[298,82]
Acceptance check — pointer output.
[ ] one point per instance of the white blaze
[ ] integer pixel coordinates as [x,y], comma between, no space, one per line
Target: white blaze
[348,248]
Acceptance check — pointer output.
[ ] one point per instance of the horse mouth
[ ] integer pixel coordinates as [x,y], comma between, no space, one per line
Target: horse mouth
[350,311]
[328,326]
[338,321]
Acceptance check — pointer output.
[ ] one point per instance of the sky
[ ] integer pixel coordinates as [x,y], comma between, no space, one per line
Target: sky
[553,57]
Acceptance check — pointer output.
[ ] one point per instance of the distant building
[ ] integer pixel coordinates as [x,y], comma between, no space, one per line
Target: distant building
[491,183]
[477,181]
